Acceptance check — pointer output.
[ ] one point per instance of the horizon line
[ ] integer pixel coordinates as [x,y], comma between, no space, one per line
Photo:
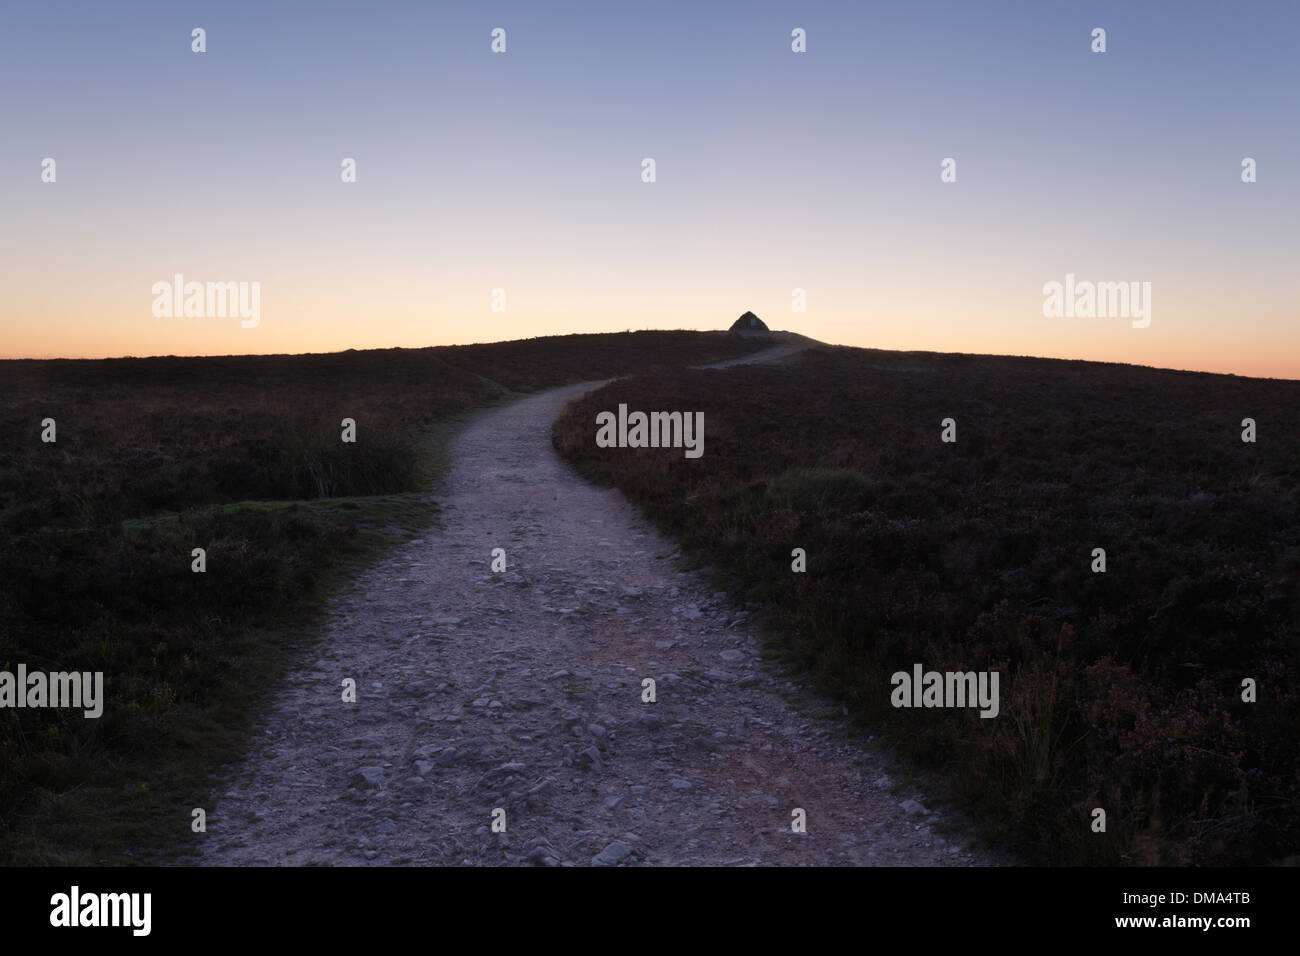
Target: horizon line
[556,335]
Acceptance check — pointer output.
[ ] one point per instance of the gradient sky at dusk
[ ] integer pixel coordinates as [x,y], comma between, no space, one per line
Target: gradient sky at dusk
[775,170]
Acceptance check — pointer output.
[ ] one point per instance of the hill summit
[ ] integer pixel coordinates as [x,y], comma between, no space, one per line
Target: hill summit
[749,322]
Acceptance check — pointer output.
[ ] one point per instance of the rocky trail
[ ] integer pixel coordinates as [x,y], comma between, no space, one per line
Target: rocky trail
[523,691]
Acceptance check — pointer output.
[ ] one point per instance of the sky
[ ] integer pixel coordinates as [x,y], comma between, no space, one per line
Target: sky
[775,170]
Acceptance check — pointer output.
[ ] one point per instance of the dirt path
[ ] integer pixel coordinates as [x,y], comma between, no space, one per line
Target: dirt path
[523,691]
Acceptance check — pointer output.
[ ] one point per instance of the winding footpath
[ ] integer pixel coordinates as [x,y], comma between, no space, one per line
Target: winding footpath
[523,691]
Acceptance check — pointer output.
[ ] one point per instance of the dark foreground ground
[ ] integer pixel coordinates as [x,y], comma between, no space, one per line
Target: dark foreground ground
[241,456]
[1120,690]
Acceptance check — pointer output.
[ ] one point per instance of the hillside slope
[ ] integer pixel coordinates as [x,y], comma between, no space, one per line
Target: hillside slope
[1122,689]
[243,457]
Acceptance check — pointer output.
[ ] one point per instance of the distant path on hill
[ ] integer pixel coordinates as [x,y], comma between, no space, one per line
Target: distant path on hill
[522,691]
[775,354]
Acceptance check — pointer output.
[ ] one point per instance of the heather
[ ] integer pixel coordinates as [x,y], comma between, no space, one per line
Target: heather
[241,456]
[1120,690]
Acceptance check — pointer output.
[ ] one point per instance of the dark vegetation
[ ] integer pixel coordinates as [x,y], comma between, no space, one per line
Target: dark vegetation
[1120,690]
[241,456]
